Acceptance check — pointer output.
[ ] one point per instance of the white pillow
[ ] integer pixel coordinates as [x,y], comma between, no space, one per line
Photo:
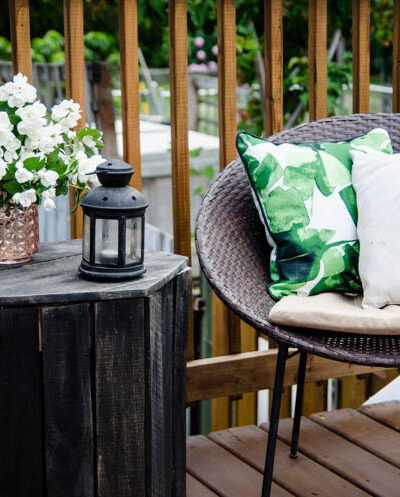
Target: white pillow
[376,181]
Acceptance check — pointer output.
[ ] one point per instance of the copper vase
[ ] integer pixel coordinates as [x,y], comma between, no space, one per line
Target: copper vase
[19,234]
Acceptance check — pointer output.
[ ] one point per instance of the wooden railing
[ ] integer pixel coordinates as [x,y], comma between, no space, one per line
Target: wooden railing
[234,372]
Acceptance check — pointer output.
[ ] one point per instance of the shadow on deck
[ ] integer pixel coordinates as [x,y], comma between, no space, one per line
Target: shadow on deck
[346,452]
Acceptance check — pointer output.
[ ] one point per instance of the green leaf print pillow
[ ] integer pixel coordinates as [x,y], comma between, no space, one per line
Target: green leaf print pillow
[304,195]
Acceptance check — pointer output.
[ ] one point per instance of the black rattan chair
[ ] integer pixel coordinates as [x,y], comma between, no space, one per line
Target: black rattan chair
[234,256]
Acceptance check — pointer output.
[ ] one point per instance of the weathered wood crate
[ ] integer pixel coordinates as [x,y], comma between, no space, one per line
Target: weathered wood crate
[92,379]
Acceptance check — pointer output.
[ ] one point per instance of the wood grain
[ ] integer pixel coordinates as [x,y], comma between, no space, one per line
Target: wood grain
[182,289]
[253,371]
[226,333]
[178,71]
[361,55]
[301,476]
[317,64]
[179,126]
[20,401]
[75,83]
[396,56]
[384,412]
[344,458]
[161,339]
[362,431]
[20,37]
[197,489]
[66,332]
[120,398]
[129,64]
[273,34]
[63,284]
[222,472]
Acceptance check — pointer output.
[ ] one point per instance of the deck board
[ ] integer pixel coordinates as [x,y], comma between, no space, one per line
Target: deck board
[344,453]
[364,432]
[387,413]
[222,472]
[299,476]
[345,458]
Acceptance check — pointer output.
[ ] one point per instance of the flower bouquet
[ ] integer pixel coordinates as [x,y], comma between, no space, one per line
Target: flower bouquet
[40,157]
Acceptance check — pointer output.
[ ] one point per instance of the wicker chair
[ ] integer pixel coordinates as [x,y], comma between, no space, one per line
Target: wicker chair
[234,256]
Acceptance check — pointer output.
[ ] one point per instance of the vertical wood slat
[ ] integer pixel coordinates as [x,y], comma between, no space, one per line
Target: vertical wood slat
[273,61]
[317,63]
[226,335]
[179,126]
[178,75]
[273,32]
[361,55]
[67,400]
[315,394]
[129,50]
[20,401]
[182,289]
[20,37]
[160,448]
[75,81]
[120,392]
[396,56]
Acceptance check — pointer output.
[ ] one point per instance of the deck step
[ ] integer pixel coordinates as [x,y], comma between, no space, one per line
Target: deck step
[343,453]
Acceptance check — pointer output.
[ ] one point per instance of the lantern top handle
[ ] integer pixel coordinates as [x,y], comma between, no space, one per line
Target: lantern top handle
[114,173]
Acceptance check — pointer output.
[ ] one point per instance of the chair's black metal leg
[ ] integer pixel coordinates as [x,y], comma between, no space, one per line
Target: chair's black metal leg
[299,404]
[274,420]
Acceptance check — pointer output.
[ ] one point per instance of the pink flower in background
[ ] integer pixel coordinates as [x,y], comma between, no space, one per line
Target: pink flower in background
[213,65]
[197,67]
[214,50]
[201,55]
[199,41]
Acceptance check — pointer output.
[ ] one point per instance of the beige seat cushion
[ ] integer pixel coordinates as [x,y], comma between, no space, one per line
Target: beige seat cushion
[336,312]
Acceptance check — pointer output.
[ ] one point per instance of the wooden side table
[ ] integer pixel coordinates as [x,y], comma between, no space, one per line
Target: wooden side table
[92,379]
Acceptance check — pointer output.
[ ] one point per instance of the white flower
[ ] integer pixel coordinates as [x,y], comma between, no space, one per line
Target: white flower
[3,168]
[5,123]
[10,156]
[49,204]
[48,178]
[26,198]
[87,165]
[88,141]
[67,113]
[22,175]
[19,91]
[33,113]
[50,193]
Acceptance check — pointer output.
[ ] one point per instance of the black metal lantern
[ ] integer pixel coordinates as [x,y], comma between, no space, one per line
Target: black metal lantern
[113,225]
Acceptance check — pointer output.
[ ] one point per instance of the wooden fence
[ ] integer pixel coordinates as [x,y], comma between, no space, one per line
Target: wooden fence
[239,370]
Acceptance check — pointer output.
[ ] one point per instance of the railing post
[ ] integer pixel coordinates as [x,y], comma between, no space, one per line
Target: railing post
[75,81]
[361,55]
[20,37]
[129,49]
[273,34]
[178,70]
[317,65]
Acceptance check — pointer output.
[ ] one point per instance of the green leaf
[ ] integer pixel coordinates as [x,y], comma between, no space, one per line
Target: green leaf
[195,152]
[34,164]
[199,190]
[12,187]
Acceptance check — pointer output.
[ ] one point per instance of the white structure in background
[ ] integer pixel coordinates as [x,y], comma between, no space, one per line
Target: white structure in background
[155,149]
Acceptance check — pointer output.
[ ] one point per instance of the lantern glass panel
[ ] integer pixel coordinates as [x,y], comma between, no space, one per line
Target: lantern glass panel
[133,240]
[106,242]
[86,238]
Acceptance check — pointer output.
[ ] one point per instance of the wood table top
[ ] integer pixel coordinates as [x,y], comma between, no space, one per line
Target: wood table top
[52,277]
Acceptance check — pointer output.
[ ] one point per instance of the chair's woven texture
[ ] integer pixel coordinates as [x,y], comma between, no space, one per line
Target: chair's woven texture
[234,253]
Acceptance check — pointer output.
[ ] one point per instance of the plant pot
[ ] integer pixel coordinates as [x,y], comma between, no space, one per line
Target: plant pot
[19,234]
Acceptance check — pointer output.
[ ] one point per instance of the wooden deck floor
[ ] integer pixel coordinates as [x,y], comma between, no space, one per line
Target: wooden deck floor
[347,452]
